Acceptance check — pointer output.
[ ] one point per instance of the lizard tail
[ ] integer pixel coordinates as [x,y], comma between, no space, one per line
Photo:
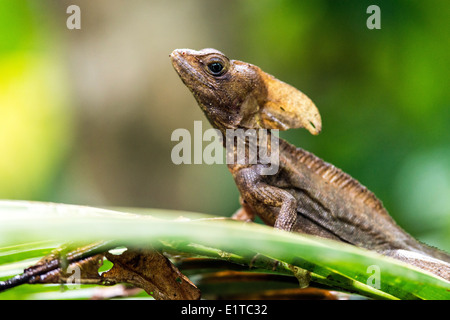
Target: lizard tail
[426,262]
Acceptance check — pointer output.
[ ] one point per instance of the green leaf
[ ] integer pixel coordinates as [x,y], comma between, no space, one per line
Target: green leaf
[335,264]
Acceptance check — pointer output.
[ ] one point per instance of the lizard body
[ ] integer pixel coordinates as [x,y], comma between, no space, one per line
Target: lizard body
[306,194]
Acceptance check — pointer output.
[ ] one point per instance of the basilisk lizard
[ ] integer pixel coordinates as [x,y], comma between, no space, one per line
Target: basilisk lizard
[306,194]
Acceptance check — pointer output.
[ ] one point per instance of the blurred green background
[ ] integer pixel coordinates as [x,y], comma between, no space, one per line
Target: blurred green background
[86,115]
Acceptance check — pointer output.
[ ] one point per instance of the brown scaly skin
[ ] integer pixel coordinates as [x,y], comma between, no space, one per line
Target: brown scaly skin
[306,195]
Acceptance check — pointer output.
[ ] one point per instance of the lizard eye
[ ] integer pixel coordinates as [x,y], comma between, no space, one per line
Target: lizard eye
[216,68]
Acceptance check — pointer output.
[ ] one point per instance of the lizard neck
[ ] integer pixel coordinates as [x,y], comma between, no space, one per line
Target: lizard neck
[251,147]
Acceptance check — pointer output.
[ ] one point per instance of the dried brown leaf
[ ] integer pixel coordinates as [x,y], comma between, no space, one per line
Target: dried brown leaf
[153,272]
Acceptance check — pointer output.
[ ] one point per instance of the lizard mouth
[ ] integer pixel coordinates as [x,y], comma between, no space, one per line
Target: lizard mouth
[186,69]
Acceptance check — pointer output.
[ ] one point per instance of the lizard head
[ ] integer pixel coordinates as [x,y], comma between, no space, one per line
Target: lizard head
[234,94]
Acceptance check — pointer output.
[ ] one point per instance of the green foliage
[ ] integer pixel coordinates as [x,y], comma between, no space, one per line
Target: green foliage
[35,124]
[27,230]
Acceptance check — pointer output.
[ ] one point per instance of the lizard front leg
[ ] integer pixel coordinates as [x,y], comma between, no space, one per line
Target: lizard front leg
[255,191]
[245,212]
